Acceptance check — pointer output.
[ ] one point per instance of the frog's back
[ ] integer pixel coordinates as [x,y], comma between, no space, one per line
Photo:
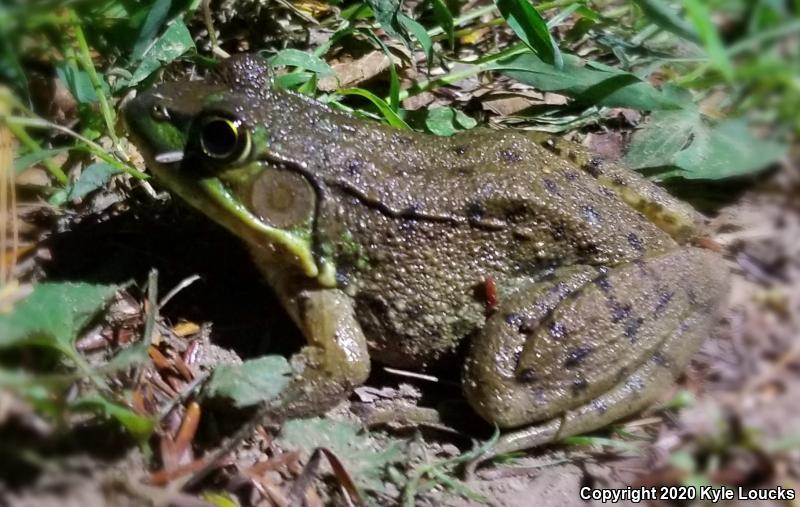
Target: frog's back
[434,220]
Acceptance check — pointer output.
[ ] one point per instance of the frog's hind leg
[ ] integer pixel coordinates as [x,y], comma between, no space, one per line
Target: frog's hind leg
[590,347]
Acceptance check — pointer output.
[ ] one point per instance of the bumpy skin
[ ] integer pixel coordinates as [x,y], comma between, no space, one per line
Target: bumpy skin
[599,302]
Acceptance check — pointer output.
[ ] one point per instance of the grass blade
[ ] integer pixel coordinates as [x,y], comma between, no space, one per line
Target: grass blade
[701,18]
[531,27]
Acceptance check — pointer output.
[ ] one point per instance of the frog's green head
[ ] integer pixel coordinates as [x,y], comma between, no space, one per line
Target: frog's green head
[207,142]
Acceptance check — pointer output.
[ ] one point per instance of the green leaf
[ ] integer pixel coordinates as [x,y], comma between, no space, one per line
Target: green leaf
[664,135]
[363,457]
[387,14]
[700,15]
[685,144]
[291,80]
[174,42]
[156,16]
[445,19]
[35,157]
[421,34]
[531,28]
[78,82]
[446,121]
[251,382]
[391,117]
[295,58]
[590,83]
[727,150]
[93,177]
[140,427]
[665,17]
[53,314]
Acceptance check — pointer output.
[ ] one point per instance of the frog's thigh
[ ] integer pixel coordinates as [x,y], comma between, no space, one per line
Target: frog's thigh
[335,358]
[664,312]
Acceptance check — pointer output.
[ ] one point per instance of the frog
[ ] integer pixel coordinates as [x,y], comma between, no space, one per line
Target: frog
[572,291]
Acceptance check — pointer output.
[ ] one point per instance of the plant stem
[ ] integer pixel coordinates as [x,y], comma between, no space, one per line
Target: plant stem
[95,148]
[85,60]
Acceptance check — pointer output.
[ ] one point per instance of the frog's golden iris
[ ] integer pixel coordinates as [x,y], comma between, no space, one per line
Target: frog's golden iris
[223,140]
[379,243]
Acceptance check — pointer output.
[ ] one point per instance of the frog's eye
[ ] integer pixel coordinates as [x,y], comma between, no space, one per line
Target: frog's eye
[223,139]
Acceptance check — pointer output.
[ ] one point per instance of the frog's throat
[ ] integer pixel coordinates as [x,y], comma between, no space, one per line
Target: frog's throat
[298,248]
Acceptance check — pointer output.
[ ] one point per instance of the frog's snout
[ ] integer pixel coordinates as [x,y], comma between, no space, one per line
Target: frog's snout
[151,124]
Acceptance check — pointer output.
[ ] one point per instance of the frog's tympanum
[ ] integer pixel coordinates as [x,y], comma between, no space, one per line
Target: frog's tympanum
[570,286]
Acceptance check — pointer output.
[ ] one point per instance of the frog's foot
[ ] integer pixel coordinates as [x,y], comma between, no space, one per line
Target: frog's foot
[334,361]
[591,346]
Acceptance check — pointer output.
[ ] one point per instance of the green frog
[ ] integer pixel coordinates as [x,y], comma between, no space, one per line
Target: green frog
[570,288]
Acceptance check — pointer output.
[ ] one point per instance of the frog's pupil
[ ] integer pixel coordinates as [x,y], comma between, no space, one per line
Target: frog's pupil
[219,138]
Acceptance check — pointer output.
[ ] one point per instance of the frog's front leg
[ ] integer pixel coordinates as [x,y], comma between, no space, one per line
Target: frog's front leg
[591,346]
[335,359]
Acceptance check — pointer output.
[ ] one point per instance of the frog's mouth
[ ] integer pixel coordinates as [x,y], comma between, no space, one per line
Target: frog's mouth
[213,198]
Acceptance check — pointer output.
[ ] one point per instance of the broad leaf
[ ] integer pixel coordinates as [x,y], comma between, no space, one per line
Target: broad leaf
[363,457]
[589,83]
[386,13]
[302,60]
[156,16]
[688,145]
[251,382]
[93,177]
[446,121]
[53,314]
[174,42]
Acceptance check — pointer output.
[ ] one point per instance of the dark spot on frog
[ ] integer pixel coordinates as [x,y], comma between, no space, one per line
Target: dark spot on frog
[342,278]
[599,406]
[571,175]
[619,182]
[604,284]
[527,375]
[401,139]
[513,319]
[577,355]
[683,327]
[510,154]
[579,385]
[664,298]
[632,328]
[594,167]
[592,215]
[529,325]
[354,167]
[474,211]
[558,231]
[608,192]
[459,150]
[550,186]
[588,250]
[558,330]
[516,214]
[634,384]
[660,359]
[619,312]
[691,296]
[464,170]
[635,242]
